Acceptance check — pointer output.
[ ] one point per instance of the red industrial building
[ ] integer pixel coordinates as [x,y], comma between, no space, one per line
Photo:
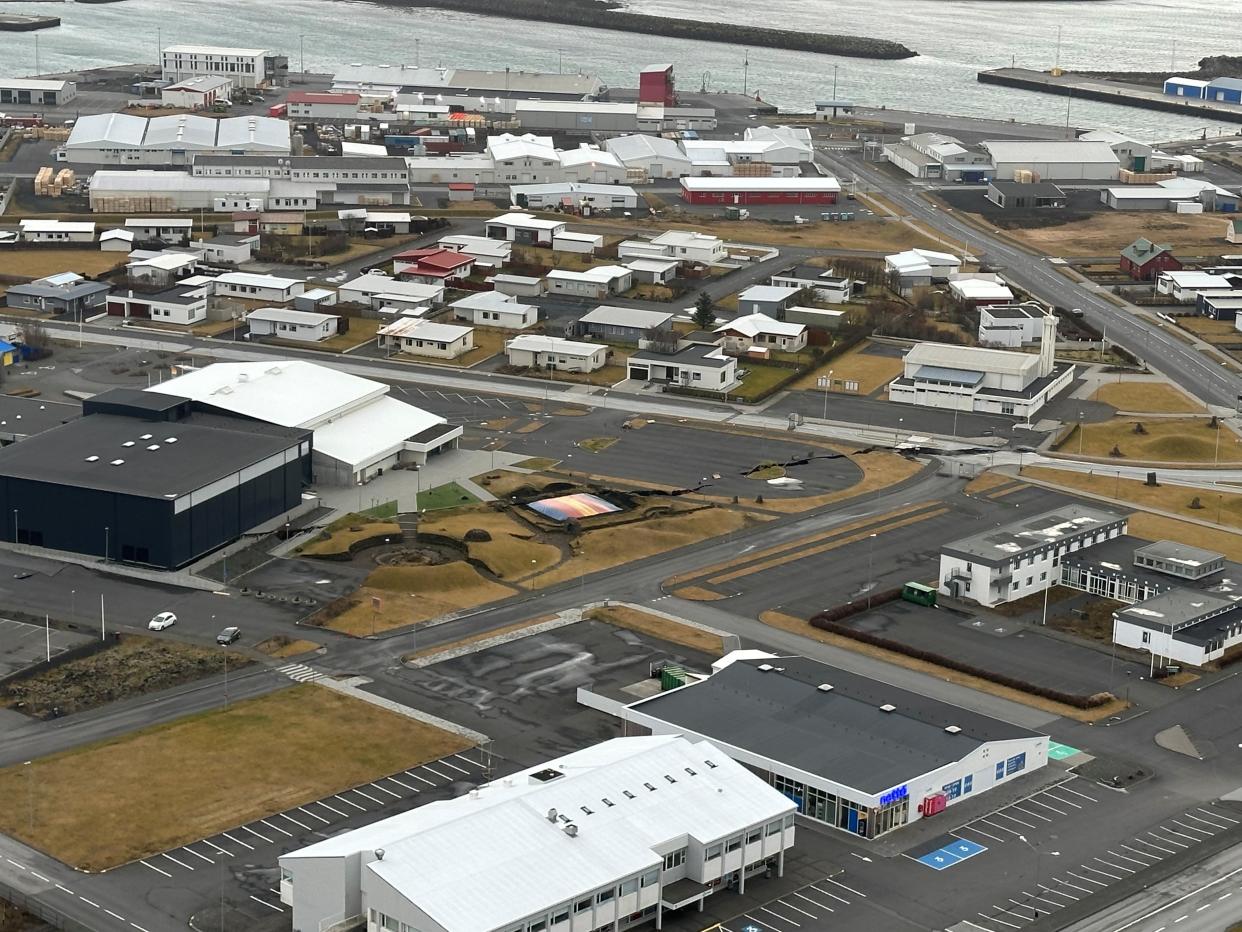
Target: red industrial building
[813,190]
[655,86]
[1144,260]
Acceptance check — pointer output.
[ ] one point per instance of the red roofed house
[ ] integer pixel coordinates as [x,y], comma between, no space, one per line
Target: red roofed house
[433,266]
[321,105]
[1144,260]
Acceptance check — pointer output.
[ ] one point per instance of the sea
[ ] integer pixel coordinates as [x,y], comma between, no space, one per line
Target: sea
[955,39]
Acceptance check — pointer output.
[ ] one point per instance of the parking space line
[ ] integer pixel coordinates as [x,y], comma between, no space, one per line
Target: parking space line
[757,922]
[1066,883]
[1191,828]
[349,802]
[999,828]
[829,893]
[447,763]
[154,868]
[384,789]
[196,854]
[1142,854]
[417,777]
[1143,841]
[1000,921]
[1014,819]
[1068,896]
[1205,821]
[1034,815]
[238,841]
[218,848]
[279,909]
[378,802]
[1010,912]
[320,802]
[277,827]
[1039,802]
[404,786]
[1217,814]
[975,925]
[1098,883]
[265,839]
[442,776]
[1065,802]
[1096,870]
[1172,831]
[1120,867]
[1062,786]
[844,887]
[314,815]
[1118,854]
[797,909]
[814,902]
[978,831]
[1042,899]
[175,861]
[286,816]
[796,925]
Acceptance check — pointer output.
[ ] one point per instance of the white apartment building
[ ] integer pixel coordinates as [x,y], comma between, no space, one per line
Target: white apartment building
[244,67]
[609,837]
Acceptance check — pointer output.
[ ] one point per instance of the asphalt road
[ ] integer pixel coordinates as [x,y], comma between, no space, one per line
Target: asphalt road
[1199,374]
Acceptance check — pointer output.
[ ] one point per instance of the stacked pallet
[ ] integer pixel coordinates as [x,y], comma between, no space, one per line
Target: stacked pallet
[43,182]
[752,170]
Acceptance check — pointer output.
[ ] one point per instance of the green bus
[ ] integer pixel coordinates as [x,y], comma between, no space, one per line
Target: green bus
[918,594]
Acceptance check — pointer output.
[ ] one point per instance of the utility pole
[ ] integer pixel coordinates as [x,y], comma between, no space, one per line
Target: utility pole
[103,620]
[1069,99]
[1057,67]
[47,633]
[159,48]
[36,38]
[746,73]
[558,61]
[834,82]
[302,55]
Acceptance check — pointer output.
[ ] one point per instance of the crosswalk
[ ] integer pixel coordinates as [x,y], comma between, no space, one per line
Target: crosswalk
[300,672]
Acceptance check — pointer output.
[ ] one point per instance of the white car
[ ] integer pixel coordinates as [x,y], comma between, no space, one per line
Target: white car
[161,621]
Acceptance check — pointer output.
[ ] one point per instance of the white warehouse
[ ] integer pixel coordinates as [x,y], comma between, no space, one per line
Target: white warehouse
[123,139]
[1054,160]
[609,837]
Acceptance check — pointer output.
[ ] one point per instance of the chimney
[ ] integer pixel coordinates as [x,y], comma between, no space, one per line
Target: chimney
[1048,344]
[571,830]
[551,815]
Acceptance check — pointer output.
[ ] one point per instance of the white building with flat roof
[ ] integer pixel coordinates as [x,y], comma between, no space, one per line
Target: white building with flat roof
[244,67]
[691,246]
[524,229]
[380,291]
[1053,159]
[491,253]
[536,351]
[258,287]
[609,837]
[36,92]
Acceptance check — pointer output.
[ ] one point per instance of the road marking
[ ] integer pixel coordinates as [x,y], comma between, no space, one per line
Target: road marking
[265,839]
[1040,802]
[88,902]
[196,854]
[1217,814]
[1223,896]
[218,848]
[320,802]
[237,841]
[1068,896]
[829,893]
[1034,815]
[798,909]
[1062,786]
[443,776]
[15,864]
[1042,899]
[1096,870]
[1098,883]
[994,919]
[757,922]
[1118,854]
[1014,819]
[313,815]
[1067,802]
[279,909]
[39,876]
[844,887]
[1006,909]
[1205,821]
[404,786]
[349,802]
[175,861]
[1200,909]
[1000,828]
[138,927]
[1191,828]
[417,777]
[818,903]
[1066,883]
[469,761]
[780,917]
[114,915]
[1172,841]
[978,831]
[378,802]
[454,766]
[277,827]
[385,789]
[975,925]
[65,889]
[286,816]
[1150,845]
[152,866]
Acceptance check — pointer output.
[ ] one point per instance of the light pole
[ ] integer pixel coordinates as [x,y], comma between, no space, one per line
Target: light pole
[827,384]
[107,542]
[15,517]
[30,794]
[558,61]
[1080,432]
[1038,864]
[73,602]
[302,55]
[870,566]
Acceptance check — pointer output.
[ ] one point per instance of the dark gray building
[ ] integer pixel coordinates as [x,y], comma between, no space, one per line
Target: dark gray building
[59,295]
[1025,195]
[620,324]
[140,478]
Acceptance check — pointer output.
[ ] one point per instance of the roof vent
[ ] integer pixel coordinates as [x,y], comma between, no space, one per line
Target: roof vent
[243,377]
[92,459]
[379,854]
[153,446]
[571,830]
[825,687]
[953,729]
[765,667]
[117,462]
[128,443]
[551,815]
[888,708]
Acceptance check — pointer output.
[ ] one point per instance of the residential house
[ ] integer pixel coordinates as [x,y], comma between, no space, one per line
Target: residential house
[226,248]
[171,231]
[653,271]
[183,304]
[536,351]
[976,288]
[620,324]
[702,366]
[1144,260]
[56,231]
[495,309]
[689,246]
[381,291]
[300,326]
[582,243]
[65,293]
[487,253]
[432,266]
[116,240]
[759,331]
[524,229]
[522,286]
[596,283]
[1233,231]
[827,284]
[161,269]
[767,299]
[268,288]
[425,338]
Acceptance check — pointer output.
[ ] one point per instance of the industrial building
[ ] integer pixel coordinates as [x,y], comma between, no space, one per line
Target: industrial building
[851,752]
[1185,87]
[937,156]
[1052,160]
[122,139]
[609,837]
[143,478]
[1005,563]
[651,156]
[1011,326]
[1180,195]
[1026,195]
[985,381]
[308,169]
[809,190]
[158,191]
[596,116]
[464,85]
[525,159]
[536,351]
[247,68]
[576,196]
[198,93]
[36,92]
[64,293]
[318,105]
[359,430]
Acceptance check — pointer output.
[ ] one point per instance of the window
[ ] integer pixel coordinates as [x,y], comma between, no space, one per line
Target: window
[650,878]
[1146,637]
[753,836]
[627,794]
[605,895]
[582,905]
[711,765]
[789,821]
[608,802]
[629,886]
[538,925]
[735,843]
[669,779]
[649,786]
[773,828]
[560,915]
[689,771]
[674,859]
[713,852]
[585,810]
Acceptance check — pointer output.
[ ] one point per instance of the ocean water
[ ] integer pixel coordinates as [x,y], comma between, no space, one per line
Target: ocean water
[955,39]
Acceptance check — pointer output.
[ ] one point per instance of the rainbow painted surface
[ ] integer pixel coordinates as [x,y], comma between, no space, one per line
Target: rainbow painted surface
[578,505]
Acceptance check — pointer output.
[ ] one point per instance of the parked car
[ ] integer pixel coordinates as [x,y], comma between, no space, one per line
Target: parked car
[228,635]
[161,621]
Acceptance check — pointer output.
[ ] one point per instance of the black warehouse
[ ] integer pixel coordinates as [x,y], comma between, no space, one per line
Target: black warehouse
[141,478]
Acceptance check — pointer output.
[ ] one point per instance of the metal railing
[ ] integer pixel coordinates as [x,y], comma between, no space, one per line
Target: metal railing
[41,910]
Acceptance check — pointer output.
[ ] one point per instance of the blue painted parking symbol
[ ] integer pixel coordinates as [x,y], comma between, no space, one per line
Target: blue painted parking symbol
[965,849]
[751,929]
[939,860]
[949,855]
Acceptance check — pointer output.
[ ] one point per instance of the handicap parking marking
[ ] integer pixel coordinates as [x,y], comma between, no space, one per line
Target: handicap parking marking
[938,860]
[951,854]
[1059,751]
[965,849]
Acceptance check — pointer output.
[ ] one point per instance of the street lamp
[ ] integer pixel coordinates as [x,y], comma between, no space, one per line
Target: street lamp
[30,793]
[1038,863]
[15,517]
[870,565]
[107,543]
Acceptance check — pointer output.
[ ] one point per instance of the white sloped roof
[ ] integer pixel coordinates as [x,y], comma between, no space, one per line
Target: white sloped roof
[1050,150]
[382,284]
[754,324]
[626,317]
[538,343]
[434,854]
[588,156]
[638,146]
[973,358]
[373,430]
[115,130]
[488,301]
[284,315]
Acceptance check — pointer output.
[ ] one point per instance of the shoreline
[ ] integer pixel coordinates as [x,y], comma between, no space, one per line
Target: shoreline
[593,15]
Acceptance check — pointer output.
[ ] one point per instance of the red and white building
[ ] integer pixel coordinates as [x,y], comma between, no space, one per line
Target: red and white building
[808,190]
[320,105]
[432,266]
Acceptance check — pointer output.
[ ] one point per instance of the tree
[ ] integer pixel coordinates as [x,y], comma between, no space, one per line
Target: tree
[704,316]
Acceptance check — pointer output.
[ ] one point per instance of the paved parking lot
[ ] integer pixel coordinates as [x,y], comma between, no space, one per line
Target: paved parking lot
[23,644]
[827,903]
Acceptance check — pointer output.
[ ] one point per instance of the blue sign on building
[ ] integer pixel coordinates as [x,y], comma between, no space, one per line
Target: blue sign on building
[894,795]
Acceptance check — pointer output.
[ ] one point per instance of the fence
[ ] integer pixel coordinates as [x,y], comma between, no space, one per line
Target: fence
[41,910]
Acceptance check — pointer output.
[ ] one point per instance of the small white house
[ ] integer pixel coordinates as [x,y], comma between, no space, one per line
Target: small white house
[160,269]
[524,229]
[1183,286]
[382,291]
[425,338]
[116,240]
[641,249]
[694,365]
[226,248]
[653,271]
[56,231]
[490,253]
[182,305]
[521,286]
[1010,325]
[596,283]
[916,268]
[169,230]
[495,309]
[979,288]
[827,284]
[285,324]
[197,93]
[536,351]
[271,288]
[766,299]
[689,246]
[584,243]
[763,332]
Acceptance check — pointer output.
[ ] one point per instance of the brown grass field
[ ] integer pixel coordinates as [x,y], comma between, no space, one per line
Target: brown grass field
[663,628]
[1148,398]
[1176,440]
[1106,232]
[871,371]
[510,554]
[1225,506]
[107,803]
[36,263]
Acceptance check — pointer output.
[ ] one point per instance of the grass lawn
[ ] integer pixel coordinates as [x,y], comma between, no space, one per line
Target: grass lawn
[1147,397]
[663,628]
[487,343]
[759,380]
[361,330]
[213,328]
[609,374]
[37,263]
[341,533]
[133,667]
[1175,440]
[870,370]
[449,495]
[1105,232]
[281,645]
[611,546]
[408,595]
[503,482]
[596,444]
[646,291]
[567,261]
[107,803]
[880,470]
[511,553]
[1218,507]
